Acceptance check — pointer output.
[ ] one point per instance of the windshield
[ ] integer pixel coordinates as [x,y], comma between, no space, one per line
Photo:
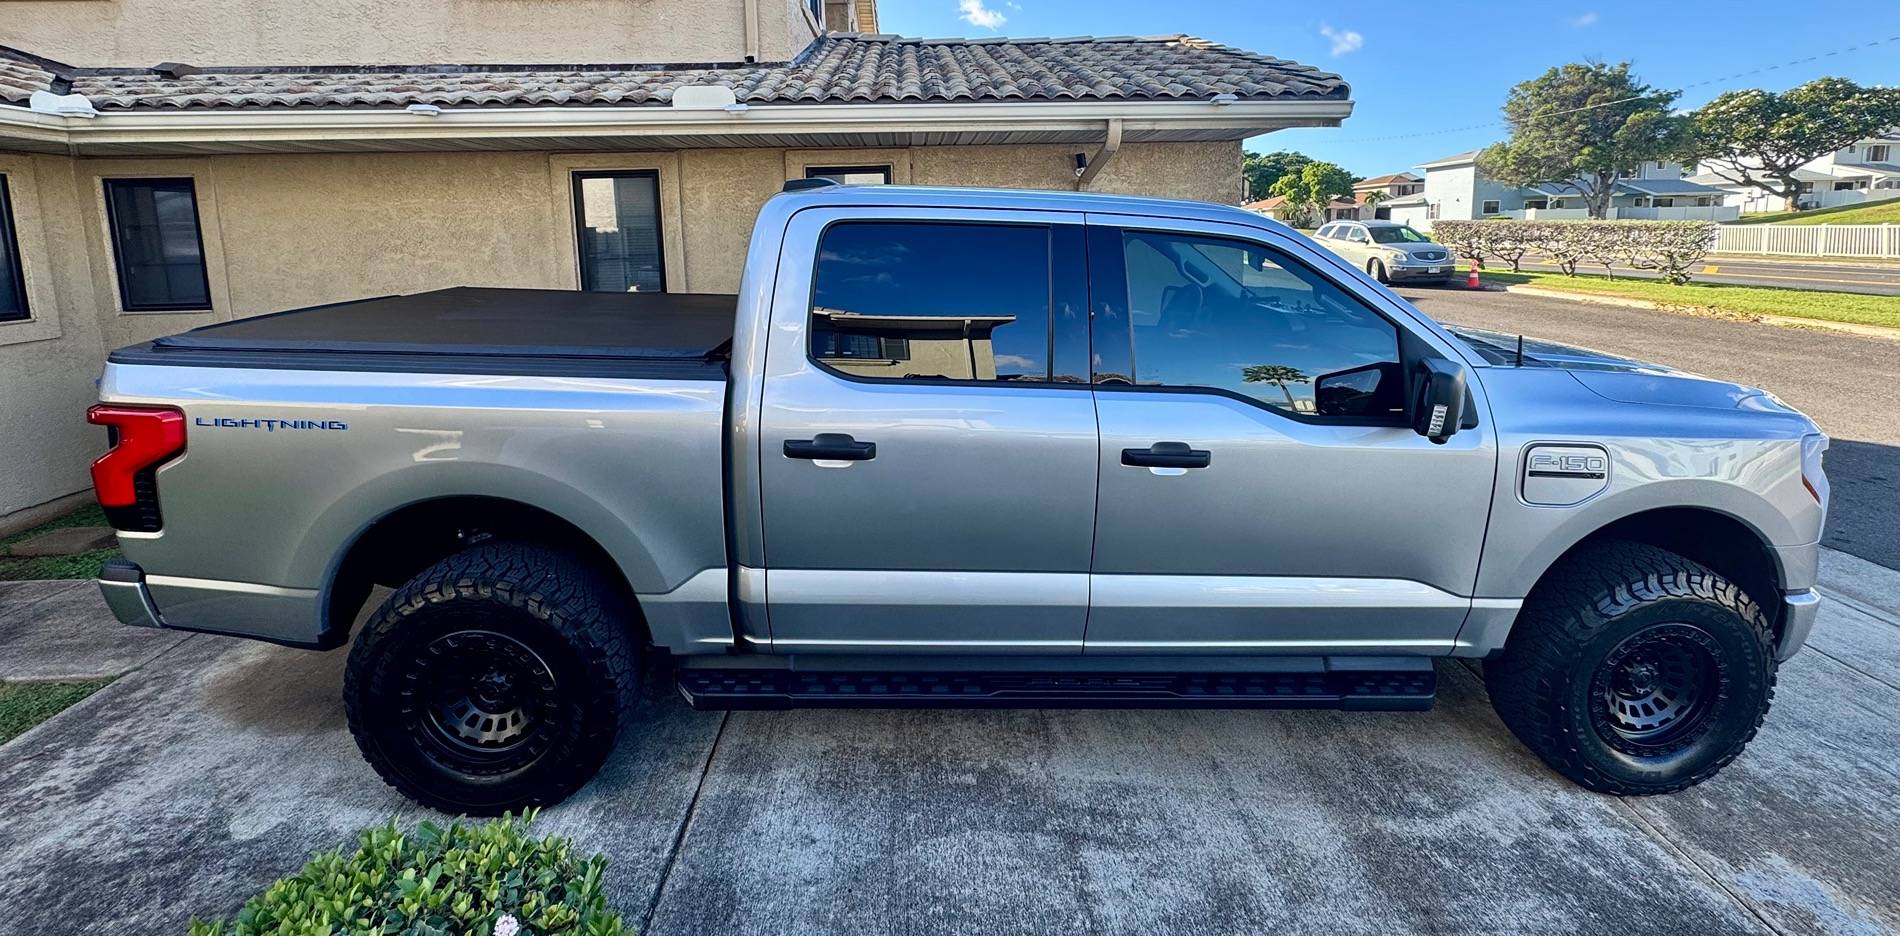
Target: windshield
[1401,234]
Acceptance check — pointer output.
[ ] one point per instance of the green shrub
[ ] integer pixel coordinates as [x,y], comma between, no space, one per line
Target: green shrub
[457,881]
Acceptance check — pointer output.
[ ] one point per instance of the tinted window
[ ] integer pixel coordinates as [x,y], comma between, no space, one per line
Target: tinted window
[1402,234]
[1234,316]
[618,220]
[12,279]
[920,300]
[156,244]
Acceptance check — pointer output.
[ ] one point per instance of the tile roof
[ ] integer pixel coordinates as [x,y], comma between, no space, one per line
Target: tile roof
[1387,180]
[20,76]
[836,68]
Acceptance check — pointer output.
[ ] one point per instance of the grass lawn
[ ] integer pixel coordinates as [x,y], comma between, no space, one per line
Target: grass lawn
[1882,212]
[1744,300]
[76,566]
[25,704]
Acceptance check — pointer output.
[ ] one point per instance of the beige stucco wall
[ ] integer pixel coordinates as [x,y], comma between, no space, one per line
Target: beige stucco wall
[283,231]
[316,32]
[48,363]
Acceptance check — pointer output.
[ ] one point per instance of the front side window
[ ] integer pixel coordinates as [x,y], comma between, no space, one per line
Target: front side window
[904,300]
[13,306]
[617,221]
[851,175]
[156,245]
[1234,316]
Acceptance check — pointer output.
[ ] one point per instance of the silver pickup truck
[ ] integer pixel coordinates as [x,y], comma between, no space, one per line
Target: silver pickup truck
[957,447]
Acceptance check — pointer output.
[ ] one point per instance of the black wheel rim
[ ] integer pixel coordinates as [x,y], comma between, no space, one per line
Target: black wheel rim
[1654,692]
[480,702]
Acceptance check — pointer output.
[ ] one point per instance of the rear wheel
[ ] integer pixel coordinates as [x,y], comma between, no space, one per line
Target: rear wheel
[1633,670]
[1375,268]
[495,680]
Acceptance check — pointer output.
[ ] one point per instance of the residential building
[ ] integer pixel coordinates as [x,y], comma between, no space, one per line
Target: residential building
[1276,207]
[1862,171]
[1373,194]
[166,164]
[1456,189]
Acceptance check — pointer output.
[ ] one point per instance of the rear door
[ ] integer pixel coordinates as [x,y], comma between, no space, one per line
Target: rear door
[1260,487]
[928,445]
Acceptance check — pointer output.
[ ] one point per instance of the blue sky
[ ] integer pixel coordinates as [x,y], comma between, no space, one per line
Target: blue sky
[1420,68]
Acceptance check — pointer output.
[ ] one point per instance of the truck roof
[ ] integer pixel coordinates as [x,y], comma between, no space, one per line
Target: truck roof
[950,196]
[470,329]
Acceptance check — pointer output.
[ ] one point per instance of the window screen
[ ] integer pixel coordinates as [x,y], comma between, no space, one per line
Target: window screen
[156,244]
[12,276]
[1228,315]
[617,215]
[920,300]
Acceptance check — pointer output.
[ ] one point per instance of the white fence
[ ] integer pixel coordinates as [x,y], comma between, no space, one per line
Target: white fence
[1878,241]
[1630,213]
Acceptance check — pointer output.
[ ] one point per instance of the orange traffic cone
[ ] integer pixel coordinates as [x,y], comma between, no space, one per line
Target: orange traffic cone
[1471,279]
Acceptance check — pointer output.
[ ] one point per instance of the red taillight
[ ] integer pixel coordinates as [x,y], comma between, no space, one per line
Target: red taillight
[145,436]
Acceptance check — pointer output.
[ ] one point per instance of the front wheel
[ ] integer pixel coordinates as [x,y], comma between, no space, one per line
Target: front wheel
[1376,270]
[495,680]
[1632,670]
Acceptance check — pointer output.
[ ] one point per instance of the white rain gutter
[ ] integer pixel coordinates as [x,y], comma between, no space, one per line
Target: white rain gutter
[261,128]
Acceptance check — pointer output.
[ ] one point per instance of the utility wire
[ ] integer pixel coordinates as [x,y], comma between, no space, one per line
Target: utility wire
[1694,84]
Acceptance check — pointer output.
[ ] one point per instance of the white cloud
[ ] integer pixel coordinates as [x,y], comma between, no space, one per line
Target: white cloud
[1584,19]
[976,14]
[1344,40]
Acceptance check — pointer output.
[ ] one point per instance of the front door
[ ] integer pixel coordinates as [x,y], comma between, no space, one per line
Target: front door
[927,432]
[1260,488]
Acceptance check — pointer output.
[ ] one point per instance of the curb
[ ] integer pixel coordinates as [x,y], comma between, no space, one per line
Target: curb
[1785,321]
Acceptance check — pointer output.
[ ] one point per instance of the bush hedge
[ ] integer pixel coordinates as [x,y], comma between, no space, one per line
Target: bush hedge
[1668,247]
[485,879]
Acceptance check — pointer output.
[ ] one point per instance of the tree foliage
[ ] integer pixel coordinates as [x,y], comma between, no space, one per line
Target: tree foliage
[1308,191]
[1582,125]
[1759,138]
[1262,170]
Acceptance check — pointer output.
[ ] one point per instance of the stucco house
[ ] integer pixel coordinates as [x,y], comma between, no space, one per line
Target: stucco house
[1373,194]
[170,163]
[1456,189]
[1862,171]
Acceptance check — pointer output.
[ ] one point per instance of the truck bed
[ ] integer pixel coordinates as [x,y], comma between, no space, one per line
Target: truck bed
[465,329]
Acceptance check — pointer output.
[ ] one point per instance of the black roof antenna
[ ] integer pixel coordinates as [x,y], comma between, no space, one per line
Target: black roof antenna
[801,185]
[1520,350]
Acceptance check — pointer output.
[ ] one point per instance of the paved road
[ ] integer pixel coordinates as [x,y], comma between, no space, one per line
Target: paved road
[1879,279]
[217,766]
[1848,384]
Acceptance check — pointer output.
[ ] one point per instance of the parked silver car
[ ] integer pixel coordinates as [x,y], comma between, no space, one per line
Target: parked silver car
[958,447]
[1387,250]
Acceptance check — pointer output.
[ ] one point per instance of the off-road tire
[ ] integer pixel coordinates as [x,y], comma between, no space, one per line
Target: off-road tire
[1376,270]
[1546,688]
[562,628]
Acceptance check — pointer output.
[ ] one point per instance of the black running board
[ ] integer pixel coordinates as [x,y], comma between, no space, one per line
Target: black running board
[1401,691]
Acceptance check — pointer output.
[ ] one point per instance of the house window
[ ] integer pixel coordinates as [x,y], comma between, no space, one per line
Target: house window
[1539,203]
[1665,203]
[1431,212]
[1702,201]
[1490,207]
[12,277]
[851,175]
[1843,186]
[1641,202]
[617,227]
[157,245]
[1878,153]
[1807,187]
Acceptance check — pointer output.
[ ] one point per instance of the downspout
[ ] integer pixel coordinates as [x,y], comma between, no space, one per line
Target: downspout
[751,30]
[1109,145]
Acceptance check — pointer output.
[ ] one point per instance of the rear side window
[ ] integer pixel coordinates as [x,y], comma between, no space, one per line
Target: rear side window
[1237,317]
[933,301]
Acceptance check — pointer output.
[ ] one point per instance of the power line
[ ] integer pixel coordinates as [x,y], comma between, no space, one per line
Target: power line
[1844,50]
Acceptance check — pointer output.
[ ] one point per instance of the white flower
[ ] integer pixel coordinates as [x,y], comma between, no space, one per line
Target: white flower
[507,926]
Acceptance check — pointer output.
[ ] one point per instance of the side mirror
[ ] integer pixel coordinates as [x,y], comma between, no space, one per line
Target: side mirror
[1438,399]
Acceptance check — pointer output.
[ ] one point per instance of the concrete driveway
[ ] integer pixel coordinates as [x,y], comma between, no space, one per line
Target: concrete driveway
[215,766]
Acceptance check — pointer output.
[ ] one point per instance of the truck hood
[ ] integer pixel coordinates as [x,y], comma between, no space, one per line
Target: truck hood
[1622,379]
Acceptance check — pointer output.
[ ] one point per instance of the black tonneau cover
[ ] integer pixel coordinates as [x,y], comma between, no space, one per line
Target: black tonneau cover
[472,330]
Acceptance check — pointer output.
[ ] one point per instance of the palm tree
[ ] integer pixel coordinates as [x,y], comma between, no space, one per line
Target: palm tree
[1278,375]
[1373,198]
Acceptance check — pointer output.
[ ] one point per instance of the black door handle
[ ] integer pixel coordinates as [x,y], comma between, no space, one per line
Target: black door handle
[831,446]
[1167,455]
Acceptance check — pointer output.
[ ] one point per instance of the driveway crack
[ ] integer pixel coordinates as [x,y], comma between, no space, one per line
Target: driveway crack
[679,834]
[1683,857]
